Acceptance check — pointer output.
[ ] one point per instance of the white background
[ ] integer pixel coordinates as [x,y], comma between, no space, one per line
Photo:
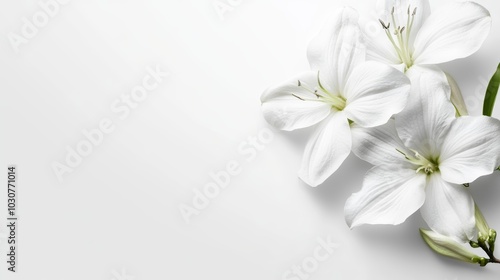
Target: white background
[117,213]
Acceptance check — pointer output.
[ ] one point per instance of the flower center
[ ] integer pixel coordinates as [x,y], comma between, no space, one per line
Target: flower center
[321,94]
[400,36]
[424,165]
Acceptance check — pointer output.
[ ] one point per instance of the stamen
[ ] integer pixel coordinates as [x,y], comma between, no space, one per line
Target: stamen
[393,18]
[315,91]
[384,25]
[294,95]
[306,99]
[417,154]
[402,33]
[421,162]
[401,152]
[322,87]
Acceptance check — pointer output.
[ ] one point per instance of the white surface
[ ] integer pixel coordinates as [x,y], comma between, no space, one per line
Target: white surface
[118,211]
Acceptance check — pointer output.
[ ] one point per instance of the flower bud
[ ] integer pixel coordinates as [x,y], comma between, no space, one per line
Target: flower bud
[491,240]
[482,225]
[446,246]
[456,97]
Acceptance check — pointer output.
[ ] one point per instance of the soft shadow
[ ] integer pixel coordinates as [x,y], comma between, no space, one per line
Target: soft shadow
[405,235]
[486,191]
[333,193]
[298,138]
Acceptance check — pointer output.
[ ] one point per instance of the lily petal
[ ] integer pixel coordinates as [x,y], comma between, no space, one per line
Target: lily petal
[388,196]
[455,31]
[379,145]
[375,92]
[470,150]
[426,118]
[449,209]
[285,111]
[327,149]
[337,49]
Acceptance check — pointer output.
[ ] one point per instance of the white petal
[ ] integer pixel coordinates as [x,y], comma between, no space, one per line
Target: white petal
[456,97]
[449,209]
[455,31]
[384,8]
[379,145]
[287,112]
[337,49]
[423,123]
[326,150]
[471,149]
[374,93]
[388,196]
[378,46]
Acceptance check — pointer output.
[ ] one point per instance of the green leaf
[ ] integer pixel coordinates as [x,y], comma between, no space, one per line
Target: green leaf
[491,93]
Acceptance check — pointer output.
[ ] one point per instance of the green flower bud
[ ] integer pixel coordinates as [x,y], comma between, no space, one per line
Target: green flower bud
[491,240]
[474,244]
[482,225]
[449,247]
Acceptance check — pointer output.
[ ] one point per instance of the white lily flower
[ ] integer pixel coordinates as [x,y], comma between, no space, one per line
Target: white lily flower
[341,89]
[415,36]
[424,158]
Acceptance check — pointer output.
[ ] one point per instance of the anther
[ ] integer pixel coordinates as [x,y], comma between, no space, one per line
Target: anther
[414,11]
[392,12]
[401,152]
[299,83]
[298,97]
[383,24]
[316,93]
[402,29]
